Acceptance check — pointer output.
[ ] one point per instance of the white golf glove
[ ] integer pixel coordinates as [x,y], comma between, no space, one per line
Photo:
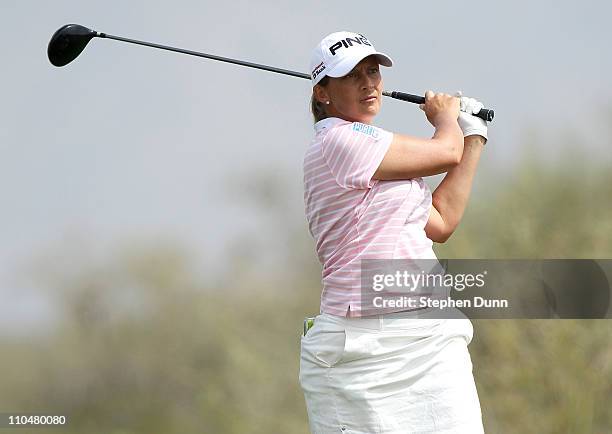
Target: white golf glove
[471,125]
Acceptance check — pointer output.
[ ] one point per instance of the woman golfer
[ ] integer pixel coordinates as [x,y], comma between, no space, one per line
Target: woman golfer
[365,199]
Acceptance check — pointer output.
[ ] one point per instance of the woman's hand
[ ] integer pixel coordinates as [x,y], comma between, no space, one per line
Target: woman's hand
[471,126]
[440,108]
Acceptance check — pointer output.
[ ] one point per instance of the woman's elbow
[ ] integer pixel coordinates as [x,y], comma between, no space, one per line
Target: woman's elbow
[449,152]
[452,155]
[441,237]
[440,240]
[456,154]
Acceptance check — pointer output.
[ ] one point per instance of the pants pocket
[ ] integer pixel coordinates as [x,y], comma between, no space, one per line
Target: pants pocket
[330,347]
[323,345]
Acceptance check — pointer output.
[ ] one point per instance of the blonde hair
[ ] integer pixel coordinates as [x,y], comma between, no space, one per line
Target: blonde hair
[318,108]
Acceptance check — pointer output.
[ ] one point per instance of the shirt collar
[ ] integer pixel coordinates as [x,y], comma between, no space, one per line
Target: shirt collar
[327,123]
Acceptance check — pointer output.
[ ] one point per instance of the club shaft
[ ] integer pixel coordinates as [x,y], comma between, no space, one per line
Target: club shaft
[207,56]
[485,114]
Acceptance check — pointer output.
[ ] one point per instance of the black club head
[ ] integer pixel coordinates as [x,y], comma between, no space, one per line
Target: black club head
[68,42]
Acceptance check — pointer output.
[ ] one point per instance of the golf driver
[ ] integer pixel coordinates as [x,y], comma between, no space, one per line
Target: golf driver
[70,40]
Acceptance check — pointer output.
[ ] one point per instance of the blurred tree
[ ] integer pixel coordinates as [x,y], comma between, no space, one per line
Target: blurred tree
[143,346]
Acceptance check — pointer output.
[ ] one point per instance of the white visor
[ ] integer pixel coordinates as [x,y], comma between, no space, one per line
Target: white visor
[338,53]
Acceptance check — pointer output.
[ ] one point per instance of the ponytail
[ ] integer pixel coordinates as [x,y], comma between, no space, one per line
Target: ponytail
[316,107]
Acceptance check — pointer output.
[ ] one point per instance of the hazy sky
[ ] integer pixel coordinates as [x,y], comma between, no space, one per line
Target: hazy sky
[132,141]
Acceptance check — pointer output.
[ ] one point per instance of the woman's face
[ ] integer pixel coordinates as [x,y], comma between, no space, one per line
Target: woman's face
[357,96]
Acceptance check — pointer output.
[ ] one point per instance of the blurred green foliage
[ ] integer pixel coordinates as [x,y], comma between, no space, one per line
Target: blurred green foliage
[143,346]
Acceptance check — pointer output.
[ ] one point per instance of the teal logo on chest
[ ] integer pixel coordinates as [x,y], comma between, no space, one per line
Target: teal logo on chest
[368,130]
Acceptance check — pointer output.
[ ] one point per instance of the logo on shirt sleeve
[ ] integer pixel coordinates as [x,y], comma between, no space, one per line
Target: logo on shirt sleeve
[368,130]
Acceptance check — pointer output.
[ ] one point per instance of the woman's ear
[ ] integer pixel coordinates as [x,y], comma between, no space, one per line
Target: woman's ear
[320,94]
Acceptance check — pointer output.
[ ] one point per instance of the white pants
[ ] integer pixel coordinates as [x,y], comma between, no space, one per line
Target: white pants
[392,375]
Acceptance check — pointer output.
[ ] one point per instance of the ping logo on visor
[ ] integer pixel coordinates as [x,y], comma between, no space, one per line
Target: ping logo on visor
[348,42]
[339,52]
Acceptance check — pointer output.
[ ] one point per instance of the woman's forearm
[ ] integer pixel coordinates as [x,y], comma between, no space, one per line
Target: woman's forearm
[451,196]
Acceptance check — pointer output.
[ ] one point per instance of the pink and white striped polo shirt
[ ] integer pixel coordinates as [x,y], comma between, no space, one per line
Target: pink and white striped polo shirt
[352,216]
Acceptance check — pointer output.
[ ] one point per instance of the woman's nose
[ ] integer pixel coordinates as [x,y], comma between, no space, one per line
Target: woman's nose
[368,82]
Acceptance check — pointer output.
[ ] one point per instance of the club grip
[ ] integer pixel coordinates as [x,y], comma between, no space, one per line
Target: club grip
[485,114]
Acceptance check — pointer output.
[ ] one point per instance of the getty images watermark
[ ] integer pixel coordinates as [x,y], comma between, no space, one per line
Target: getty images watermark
[424,282]
[487,288]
